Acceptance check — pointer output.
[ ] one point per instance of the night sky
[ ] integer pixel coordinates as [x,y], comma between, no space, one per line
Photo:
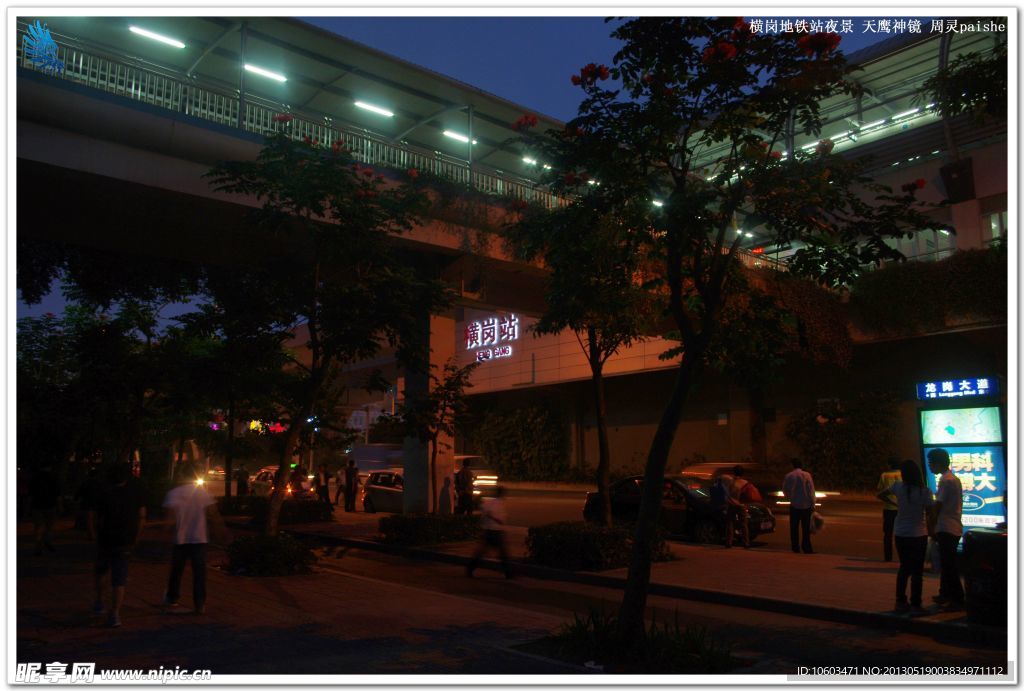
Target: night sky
[526,60]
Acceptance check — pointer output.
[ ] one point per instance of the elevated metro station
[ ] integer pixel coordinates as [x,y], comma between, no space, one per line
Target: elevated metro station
[112,145]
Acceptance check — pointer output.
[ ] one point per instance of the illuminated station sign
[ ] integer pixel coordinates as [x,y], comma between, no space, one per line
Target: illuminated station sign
[958,388]
[491,338]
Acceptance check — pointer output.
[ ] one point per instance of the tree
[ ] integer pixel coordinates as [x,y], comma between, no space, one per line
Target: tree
[694,118]
[335,278]
[595,286]
[436,414]
[974,83]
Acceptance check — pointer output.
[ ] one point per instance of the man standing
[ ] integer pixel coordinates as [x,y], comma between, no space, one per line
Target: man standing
[339,483]
[351,485]
[889,506]
[192,509]
[493,518]
[323,482]
[798,486]
[737,509]
[948,528]
[115,521]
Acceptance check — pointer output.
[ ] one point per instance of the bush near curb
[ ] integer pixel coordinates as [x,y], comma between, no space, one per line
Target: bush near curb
[261,555]
[427,529]
[666,648]
[580,546]
[292,511]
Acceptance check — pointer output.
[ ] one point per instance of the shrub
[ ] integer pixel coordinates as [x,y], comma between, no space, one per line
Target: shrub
[428,528]
[665,648]
[261,555]
[580,546]
[292,511]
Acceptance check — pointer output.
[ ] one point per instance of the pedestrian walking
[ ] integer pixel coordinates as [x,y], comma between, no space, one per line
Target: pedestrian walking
[44,494]
[911,532]
[193,511]
[464,480]
[242,481]
[351,485]
[947,528]
[493,519]
[115,521]
[323,481]
[798,487]
[889,507]
[737,510]
[339,484]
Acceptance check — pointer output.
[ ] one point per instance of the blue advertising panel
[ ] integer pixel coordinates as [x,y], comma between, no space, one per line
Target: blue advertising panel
[957,388]
[982,473]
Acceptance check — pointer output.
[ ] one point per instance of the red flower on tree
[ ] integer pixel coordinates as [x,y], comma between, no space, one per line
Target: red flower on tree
[576,81]
[776,155]
[920,182]
[914,185]
[591,73]
[413,173]
[282,117]
[825,147]
[524,123]
[741,30]
[720,52]
[821,43]
[368,172]
[307,139]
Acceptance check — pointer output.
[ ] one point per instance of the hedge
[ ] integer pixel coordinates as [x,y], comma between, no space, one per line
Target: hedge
[427,529]
[580,546]
[261,555]
[292,510]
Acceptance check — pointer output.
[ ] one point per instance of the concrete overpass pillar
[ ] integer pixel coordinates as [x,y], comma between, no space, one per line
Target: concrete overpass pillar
[415,454]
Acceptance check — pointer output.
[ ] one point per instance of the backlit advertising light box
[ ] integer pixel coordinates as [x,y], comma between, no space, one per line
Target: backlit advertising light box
[974,440]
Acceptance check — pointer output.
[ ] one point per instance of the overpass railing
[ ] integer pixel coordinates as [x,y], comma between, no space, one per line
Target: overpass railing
[157,87]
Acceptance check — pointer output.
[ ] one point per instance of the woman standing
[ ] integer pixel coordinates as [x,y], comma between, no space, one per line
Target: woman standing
[911,531]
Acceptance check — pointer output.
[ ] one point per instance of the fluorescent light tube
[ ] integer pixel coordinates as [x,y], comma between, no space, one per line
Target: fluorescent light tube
[265,73]
[374,109]
[156,37]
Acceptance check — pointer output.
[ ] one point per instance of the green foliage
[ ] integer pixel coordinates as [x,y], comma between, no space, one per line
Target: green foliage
[582,546]
[914,297]
[260,555]
[292,510]
[846,447]
[665,648]
[428,529]
[527,443]
[974,83]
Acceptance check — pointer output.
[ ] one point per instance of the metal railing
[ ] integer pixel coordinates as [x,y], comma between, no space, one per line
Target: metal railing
[147,84]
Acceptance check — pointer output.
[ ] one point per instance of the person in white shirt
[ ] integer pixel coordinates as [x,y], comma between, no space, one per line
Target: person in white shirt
[192,509]
[798,486]
[493,518]
[911,531]
[949,501]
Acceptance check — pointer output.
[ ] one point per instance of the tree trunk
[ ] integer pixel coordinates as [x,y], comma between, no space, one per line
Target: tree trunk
[229,452]
[634,600]
[433,475]
[281,478]
[604,455]
[758,436]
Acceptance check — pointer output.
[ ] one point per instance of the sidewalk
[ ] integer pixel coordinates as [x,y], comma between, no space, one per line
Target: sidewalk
[849,590]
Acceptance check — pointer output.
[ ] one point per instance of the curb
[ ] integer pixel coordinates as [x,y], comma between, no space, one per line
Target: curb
[961,633]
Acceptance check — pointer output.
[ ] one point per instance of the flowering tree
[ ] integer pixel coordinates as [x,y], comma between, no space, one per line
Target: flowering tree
[698,114]
[337,281]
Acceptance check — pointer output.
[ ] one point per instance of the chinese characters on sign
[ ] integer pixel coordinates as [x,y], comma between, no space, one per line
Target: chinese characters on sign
[788,25]
[957,388]
[981,471]
[489,336]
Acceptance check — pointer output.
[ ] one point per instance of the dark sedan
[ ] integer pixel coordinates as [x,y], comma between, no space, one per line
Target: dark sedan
[686,509]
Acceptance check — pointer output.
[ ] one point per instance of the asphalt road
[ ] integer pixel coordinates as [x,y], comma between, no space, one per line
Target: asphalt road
[852,528]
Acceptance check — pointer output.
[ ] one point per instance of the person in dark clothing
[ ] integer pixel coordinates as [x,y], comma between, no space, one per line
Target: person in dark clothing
[323,484]
[86,496]
[464,491]
[295,481]
[241,481]
[351,485]
[44,492]
[116,522]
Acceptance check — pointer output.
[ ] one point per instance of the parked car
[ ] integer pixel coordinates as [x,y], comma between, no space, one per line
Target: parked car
[767,481]
[686,509]
[383,491]
[262,484]
[486,477]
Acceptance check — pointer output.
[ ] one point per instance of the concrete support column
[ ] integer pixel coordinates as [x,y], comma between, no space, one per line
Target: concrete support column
[967,221]
[415,454]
